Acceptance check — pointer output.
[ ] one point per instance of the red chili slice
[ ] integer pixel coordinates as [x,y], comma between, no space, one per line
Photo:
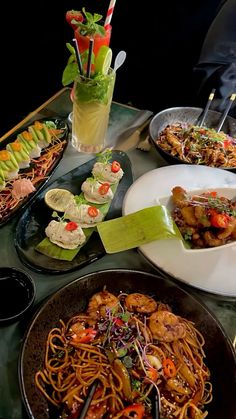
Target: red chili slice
[92,211]
[219,220]
[227,143]
[169,367]
[71,226]
[84,335]
[134,411]
[115,166]
[104,188]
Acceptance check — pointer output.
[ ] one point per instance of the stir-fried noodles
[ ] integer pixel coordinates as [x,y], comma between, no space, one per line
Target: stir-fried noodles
[198,145]
[133,347]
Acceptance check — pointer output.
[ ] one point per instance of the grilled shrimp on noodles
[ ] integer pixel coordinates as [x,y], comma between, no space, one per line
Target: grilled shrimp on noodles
[100,302]
[166,326]
[140,303]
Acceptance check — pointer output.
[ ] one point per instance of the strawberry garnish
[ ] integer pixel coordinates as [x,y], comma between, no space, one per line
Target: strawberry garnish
[75,16]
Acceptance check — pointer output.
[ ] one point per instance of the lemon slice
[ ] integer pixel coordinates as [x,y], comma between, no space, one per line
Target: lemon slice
[103,60]
[58,199]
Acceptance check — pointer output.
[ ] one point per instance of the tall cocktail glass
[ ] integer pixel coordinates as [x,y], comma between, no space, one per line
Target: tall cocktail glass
[91,107]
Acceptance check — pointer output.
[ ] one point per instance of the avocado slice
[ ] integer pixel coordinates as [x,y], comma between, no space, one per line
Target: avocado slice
[20,155]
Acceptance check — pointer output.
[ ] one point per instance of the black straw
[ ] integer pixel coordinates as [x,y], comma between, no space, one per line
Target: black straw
[78,57]
[91,42]
[222,120]
[202,117]
[86,405]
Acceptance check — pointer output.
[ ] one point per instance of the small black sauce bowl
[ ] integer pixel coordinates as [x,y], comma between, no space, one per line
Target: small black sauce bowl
[17,294]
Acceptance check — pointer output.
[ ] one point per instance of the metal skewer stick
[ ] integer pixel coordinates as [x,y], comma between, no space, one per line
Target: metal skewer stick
[202,117]
[222,120]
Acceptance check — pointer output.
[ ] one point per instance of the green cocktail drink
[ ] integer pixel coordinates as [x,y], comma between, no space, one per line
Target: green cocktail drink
[91,108]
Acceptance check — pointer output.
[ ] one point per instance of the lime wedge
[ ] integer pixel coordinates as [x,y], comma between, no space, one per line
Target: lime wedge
[58,199]
[103,60]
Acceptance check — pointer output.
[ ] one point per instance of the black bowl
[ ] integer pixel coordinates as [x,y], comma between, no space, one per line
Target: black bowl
[73,298]
[186,115]
[17,294]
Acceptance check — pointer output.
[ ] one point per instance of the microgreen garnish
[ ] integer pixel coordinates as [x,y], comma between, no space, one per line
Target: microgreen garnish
[136,384]
[80,200]
[220,206]
[188,234]
[127,361]
[56,215]
[105,156]
[91,180]
[125,316]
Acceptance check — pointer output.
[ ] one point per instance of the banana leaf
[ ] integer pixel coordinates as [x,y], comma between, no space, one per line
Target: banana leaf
[138,228]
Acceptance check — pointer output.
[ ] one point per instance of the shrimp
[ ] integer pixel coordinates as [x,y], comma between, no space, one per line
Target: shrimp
[100,302]
[179,196]
[140,303]
[166,326]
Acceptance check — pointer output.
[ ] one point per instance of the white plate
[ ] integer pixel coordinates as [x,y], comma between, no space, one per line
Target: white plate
[209,270]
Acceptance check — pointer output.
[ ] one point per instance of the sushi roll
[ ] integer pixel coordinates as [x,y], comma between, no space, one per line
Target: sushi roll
[108,172]
[8,164]
[97,192]
[41,132]
[84,214]
[68,235]
[20,153]
[2,180]
[31,145]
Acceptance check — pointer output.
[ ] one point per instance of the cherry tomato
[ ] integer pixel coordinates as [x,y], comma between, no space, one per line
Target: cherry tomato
[169,367]
[219,220]
[92,211]
[71,226]
[134,411]
[104,188]
[84,335]
[115,166]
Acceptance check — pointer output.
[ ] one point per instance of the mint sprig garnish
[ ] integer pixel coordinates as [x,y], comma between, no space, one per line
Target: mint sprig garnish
[90,26]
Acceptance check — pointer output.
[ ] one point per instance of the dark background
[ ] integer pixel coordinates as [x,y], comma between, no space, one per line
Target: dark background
[162,39]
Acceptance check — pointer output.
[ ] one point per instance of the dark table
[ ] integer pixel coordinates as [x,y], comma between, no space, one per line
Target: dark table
[12,335]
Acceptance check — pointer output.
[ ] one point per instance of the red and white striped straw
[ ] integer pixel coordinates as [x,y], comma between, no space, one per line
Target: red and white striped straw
[109,13]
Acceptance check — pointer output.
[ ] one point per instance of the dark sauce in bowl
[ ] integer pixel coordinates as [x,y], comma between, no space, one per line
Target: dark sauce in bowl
[17,293]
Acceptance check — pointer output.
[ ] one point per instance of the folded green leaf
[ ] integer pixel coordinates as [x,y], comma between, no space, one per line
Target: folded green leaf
[134,230]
